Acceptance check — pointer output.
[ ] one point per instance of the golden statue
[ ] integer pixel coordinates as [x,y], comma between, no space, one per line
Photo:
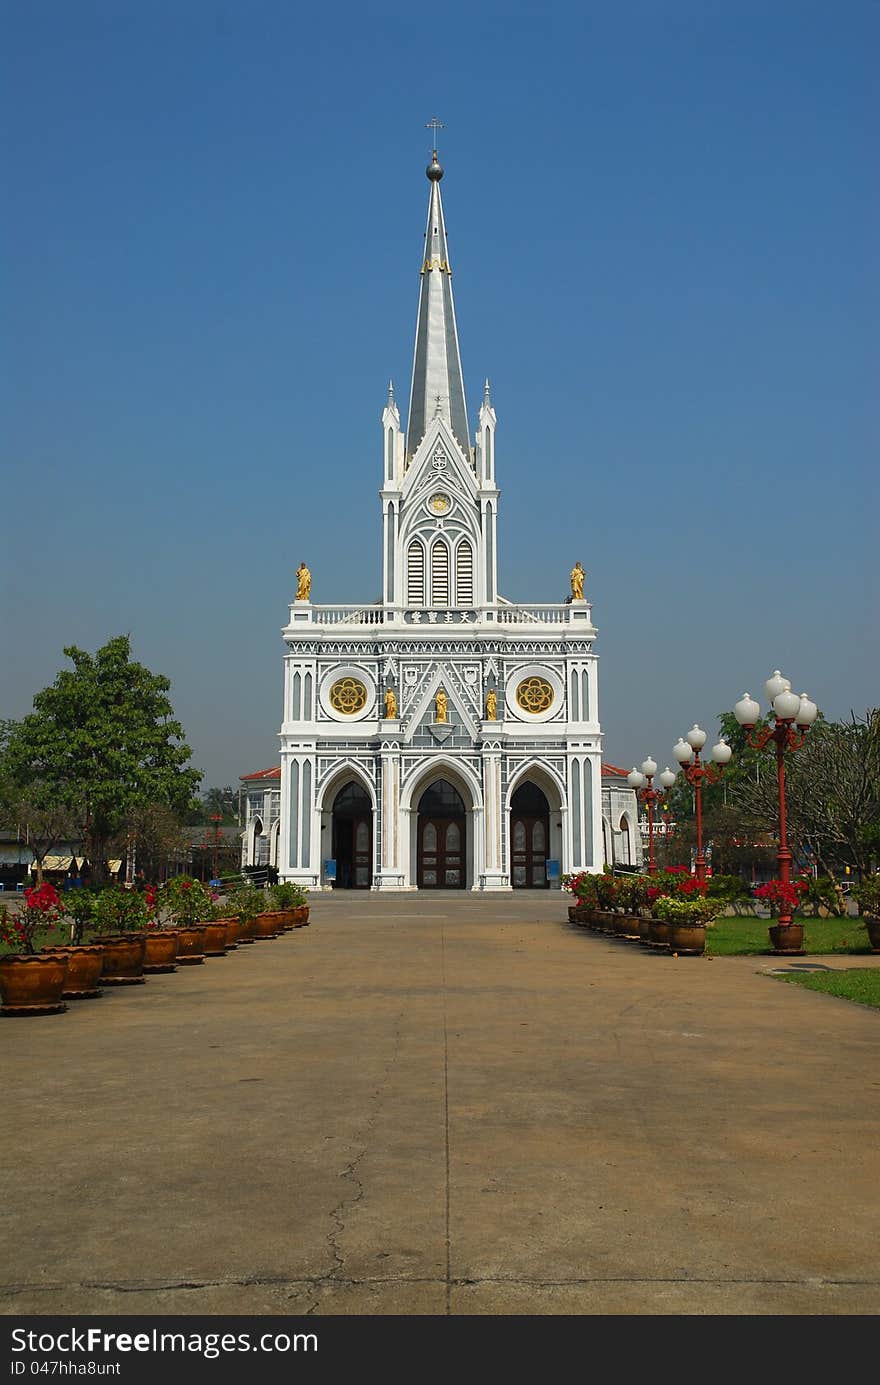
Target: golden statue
[491,705]
[304,583]
[577,582]
[441,706]
[390,704]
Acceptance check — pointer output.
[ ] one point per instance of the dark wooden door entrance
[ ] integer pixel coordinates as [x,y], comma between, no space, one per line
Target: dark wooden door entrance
[442,837]
[529,838]
[353,838]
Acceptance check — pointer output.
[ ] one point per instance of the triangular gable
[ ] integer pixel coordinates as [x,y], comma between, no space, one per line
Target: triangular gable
[422,713]
[439,461]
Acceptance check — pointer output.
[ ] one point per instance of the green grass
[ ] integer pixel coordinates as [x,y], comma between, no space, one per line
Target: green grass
[861,985]
[735,937]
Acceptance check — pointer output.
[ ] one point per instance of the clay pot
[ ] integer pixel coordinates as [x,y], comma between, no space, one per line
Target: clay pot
[687,939]
[247,932]
[301,915]
[160,950]
[620,925]
[85,963]
[286,920]
[658,933]
[644,931]
[787,940]
[267,925]
[190,944]
[873,927]
[215,938]
[33,985]
[232,928]
[123,960]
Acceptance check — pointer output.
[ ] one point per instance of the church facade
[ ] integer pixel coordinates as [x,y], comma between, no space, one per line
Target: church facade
[443,737]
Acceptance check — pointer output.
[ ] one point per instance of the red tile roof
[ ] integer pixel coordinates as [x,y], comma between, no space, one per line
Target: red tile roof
[612,772]
[274,773]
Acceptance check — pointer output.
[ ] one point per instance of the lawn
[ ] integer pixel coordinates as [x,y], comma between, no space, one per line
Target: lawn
[861,985]
[732,937]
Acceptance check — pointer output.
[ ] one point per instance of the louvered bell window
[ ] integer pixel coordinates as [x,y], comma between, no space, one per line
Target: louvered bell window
[415,575]
[464,574]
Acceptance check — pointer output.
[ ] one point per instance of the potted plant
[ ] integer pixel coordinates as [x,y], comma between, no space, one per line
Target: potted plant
[685,919]
[160,940]
[243,904]
[85,959]
[782,898]
[868,895]
[120,920]
[188,904]
[582,888]
[31,982]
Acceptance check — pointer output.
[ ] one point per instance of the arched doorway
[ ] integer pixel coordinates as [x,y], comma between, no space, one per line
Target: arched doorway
[441,839]
[353,838]
[529,838]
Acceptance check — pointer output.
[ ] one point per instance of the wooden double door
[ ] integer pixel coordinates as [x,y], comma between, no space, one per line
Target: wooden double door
[353,839]
[441,853]
[442,838]
[529,838]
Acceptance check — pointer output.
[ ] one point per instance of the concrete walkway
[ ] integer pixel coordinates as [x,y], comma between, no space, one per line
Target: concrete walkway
[435,1104]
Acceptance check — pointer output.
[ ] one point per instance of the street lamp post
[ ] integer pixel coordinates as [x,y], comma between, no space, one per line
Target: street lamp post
[794,717]
[687,753]
[216,818]
[643,782]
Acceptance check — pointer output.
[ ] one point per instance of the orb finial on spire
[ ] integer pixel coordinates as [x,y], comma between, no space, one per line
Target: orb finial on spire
[434,171]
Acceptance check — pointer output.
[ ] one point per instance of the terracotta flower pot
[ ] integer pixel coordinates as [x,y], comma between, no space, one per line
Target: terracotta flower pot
[788,940]
[85,962]
[301,915]
[267,926]
[873,927]
[123,960]
[190,944]
[247,932]
[160,950]
[687,939]
[232,929]
[215,938]
[33,985]
[286,919]
[644,931]
[658,933]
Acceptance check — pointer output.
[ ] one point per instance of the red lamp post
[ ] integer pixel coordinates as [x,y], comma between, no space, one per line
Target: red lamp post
[216,818]
[643,782]
[687,753]
[794,717]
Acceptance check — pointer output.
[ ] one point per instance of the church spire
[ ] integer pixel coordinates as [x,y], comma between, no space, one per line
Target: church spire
[437,382]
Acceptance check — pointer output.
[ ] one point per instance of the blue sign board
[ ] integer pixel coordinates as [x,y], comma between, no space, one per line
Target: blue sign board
[329,870]
[552,870]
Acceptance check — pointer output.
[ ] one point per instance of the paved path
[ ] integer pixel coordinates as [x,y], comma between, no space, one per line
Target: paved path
[433,1104]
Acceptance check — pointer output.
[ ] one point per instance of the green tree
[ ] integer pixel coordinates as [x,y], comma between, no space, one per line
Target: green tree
[104,742]
[29,801]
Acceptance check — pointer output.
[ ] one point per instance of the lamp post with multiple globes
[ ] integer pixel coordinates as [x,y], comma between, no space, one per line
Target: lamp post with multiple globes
[687,753]
[794,717]
[643,782]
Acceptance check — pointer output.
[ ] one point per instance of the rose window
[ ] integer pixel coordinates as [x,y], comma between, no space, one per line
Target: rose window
[348,695]
[534,695]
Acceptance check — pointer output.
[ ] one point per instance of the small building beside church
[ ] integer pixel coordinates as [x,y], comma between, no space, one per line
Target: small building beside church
[443,737]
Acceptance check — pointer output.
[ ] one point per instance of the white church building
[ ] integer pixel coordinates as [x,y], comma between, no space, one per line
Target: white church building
[443,738]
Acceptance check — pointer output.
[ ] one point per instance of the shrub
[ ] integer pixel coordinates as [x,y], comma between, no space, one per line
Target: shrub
[187,900]
[116,910]
[727,887]
[868,895]
[697,909]
[776,894]
[41,912]
[288,895]
[244,903]
[79,907]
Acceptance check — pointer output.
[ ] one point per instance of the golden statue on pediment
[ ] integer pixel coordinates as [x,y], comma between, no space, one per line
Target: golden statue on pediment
[491,705]
[390,704]
[303,583]
[441,707]
[577,582]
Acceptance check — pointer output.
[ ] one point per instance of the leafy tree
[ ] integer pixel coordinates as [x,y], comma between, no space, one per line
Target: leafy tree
[222,801]
[104,742]
[38,807]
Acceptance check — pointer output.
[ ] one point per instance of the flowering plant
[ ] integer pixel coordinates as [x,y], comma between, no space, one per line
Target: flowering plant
[680,909]
[689,886]
[188,901]
[778,893]
[244,903]
[116,910]
[41,911]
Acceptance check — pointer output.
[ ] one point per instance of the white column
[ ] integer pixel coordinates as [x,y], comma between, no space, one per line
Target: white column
[494,877]
[391,871]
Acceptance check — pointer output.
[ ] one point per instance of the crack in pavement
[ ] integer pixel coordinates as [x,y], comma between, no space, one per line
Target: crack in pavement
[350,1172]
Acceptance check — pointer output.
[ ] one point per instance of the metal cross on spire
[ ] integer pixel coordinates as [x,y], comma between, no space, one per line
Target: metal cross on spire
[434,125]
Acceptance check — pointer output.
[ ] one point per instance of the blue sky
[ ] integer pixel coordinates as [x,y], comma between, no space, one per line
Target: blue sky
[663,224]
